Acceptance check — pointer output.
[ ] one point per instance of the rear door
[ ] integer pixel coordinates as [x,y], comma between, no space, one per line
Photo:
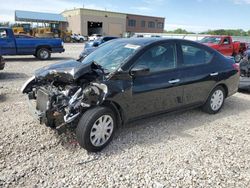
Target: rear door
[7,43]
[159,90]
[198,74]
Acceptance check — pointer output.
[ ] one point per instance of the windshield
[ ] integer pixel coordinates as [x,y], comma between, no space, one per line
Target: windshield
[112,55]
[213,40]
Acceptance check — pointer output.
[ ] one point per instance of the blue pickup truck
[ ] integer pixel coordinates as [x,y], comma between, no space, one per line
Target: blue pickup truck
[41,48]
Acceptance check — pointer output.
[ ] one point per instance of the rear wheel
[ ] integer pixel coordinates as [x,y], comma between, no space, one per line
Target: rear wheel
[96,128]
[43,54]
[215,101]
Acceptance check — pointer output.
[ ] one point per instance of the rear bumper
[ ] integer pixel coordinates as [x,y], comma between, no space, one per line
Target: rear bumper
[2,63]
[244,83]
[58,50]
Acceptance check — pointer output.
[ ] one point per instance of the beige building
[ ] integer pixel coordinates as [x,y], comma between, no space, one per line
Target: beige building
[87,21]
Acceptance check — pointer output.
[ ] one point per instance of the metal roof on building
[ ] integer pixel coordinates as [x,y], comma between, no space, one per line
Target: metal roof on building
[28,16]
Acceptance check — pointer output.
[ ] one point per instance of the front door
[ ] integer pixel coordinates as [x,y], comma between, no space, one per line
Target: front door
[226,47]
[7,44]
[159,90]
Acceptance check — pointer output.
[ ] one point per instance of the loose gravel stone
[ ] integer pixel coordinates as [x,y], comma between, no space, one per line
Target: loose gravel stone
[188,149]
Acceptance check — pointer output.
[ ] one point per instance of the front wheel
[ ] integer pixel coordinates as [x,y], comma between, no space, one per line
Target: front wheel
[96,129]
[81,40]
[215,101]
[237,58]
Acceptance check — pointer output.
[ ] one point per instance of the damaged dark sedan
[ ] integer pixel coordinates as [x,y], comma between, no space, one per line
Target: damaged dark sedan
[128,79]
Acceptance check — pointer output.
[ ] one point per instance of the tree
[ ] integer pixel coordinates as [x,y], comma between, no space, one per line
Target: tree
[179,31]
[4,24]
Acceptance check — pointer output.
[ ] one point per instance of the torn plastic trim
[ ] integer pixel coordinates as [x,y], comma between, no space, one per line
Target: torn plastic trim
[26,85]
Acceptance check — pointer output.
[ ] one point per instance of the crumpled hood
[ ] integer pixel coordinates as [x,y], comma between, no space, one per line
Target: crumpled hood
[67,71]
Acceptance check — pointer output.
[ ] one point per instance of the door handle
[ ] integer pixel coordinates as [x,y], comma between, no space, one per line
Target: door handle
[174,81]
[214,74]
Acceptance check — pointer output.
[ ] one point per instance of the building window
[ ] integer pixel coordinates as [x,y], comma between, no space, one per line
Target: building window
[160,25]
[131,23]
[151,24]
[143,23]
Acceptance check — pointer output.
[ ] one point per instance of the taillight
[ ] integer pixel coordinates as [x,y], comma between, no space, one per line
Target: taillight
[237,67]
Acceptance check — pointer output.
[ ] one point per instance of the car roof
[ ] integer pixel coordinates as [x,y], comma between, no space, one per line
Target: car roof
[150,40]
[110,37]
[219,36]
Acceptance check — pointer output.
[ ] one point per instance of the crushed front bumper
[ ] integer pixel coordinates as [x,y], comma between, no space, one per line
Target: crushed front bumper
[38,115]
[42,118]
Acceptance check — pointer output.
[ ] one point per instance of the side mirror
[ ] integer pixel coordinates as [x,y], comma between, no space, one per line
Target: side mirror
[140,70]
[95,44]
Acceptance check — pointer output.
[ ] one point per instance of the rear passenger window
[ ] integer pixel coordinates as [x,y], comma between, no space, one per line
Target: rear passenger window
[193,55]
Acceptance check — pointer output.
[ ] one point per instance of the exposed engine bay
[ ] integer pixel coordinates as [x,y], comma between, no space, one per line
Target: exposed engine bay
[59,98]
[68,101]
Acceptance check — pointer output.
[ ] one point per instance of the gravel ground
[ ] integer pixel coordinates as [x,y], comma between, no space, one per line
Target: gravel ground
[187,149]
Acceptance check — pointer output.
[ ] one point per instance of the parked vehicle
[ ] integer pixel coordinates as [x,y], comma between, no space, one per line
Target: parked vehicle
[2,63]
[226,46]
[27,45]
[78,38]
[127,79]
[92,45]
[94,37]
[245,71]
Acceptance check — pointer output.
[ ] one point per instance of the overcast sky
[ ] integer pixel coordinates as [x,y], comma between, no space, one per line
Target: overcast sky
[193,15]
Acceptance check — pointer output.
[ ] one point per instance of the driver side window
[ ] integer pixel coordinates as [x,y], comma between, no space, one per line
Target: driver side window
[159,58]
[226,41]
[3,33]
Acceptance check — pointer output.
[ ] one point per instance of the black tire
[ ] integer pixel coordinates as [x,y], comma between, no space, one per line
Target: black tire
[85,125]
[43,54]
[207,107]
[81,40]
[237,57]
[67,39]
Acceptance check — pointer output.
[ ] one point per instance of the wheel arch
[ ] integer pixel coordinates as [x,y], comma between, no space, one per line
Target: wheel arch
[117,109]
[217,85]
[224,87]
[43,46]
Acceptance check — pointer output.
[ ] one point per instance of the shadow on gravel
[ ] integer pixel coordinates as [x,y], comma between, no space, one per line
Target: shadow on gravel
[162,128]
[166,127]
[3,98]
[32,59]
[12,75]
[244,91]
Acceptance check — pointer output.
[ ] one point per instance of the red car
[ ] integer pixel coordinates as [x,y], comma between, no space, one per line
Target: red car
[226,46]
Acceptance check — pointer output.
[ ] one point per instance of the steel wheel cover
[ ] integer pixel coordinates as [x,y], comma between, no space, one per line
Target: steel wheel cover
[44,54]
[102,130]
[217,100]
